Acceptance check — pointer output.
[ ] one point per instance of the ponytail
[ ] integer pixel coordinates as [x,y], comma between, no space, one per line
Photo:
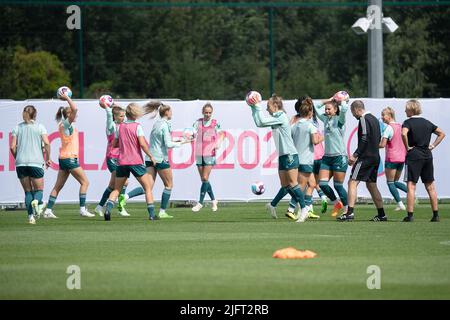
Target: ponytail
[152,106]
[61,114]
[29,113]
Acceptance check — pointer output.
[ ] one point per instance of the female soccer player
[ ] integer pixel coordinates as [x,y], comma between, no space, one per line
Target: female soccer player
[208,139]
[115,115]
[68,158]
[131,140]
[288,162]
[391,138]
[305,136]
[334,162]
[26,148]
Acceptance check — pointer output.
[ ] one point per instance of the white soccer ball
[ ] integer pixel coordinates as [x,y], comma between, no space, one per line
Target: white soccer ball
[64,91]
[106,100]
[258,188]
[253,97]
[341,96]
[189,133]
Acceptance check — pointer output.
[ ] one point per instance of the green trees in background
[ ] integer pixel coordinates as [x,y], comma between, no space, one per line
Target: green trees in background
[218,53]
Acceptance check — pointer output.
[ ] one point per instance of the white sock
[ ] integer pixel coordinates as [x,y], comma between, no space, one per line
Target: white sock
[162,211]
[127,196]
[82,208]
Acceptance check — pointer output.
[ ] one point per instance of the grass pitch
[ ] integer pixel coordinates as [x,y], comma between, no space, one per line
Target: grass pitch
[223,255]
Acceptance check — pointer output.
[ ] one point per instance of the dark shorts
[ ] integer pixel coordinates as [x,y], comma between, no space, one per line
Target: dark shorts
[112,164]
[422,168]
[68,164]
[394,165]
[365,170]
[316,167]
[32,172]
[205,161]
[337,163]
[158,166]
[124,171]
[306,168]
[288,162]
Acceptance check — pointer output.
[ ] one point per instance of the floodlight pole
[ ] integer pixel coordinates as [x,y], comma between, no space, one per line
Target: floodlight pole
[80,53]
[271,49]
[375,50]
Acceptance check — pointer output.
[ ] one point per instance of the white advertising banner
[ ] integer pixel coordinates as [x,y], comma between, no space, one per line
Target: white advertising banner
[247,154]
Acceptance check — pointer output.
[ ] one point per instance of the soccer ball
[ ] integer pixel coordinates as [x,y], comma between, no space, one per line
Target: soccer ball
[258,188]
[106,100]
[341,96]
[189,133]
[64,90]
[253,97]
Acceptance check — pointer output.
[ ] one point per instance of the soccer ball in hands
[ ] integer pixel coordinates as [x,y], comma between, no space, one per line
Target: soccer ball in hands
[253,97]
[258,188]
[341,96]
[64,91]
[106,100]
[189,133]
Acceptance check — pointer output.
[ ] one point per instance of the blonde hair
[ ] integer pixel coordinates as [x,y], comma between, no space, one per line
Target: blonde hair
[116,110]
[277,101]
[134,111]
[62,113]
[153,106]
[390,112]
[414,107]
[29,113]
[207,105]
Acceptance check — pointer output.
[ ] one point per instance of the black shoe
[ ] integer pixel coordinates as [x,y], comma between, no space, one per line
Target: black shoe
[435,219]
[378,218]
[153,217]
[346,217]
[107,216]
[408,219]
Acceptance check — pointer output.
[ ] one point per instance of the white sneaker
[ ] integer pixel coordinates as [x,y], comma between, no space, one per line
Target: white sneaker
[31,220]
[99,210]
[272,211]
[197,207]
[35,207]
[124,213]
[303,215]
[400,206]
[214,205]
[48,214]
[86,213]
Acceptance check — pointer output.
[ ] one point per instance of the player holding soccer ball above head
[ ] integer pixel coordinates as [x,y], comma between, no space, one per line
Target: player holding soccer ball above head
[68,156]
[115,115]
[334,162]
[208,138]
[27,140]
[391,138]
[288,162]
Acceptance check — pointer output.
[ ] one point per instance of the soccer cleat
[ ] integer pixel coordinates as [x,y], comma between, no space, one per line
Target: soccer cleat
[122,202]
[48,214]
[31,220]
[302,215]
[435,219]
[400,206]
[346,217]
[99,210]
[107,216]
[197,207]
[123,212]
[290,215]
[408,219]
[214,205]
[324,204]
[272,211]
[336,208]
[379,219]
[311,214]
[164,215]
[86,214]
[36,209]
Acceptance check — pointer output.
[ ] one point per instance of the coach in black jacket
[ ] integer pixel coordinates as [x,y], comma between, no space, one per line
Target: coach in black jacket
[365,161]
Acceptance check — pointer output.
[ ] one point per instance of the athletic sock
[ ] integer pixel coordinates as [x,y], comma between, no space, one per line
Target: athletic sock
[109,206]
[124,189]
[410,214]
[136,192]
[38,195]
[210,191]
[435,214]
[320,193]
[105,196]
[28,199]
[401,186]
[327,190]
[151,210]
[381,212]
[308,200]
[349,210]
[297,194]
[394,191]
[203,190]
[51,202]
[292,203]
[341,192]
[165,198]
[82,200]
[280,195]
